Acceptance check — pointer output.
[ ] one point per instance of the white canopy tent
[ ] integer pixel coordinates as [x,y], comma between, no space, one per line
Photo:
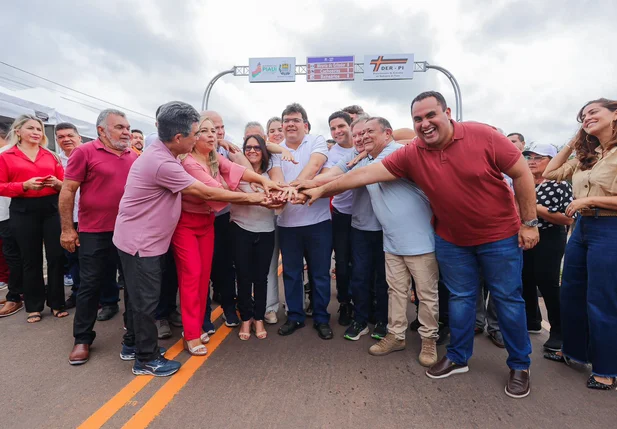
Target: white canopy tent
[53,108]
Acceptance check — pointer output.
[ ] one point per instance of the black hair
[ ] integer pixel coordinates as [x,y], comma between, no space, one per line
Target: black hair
[296,108]
[137,131]
[428,94]
[340,114]
[520,136]
[265,155]
[65,126]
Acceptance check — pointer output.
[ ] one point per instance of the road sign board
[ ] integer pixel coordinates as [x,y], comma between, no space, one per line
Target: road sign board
[388,67]
[327,69]
[281,69]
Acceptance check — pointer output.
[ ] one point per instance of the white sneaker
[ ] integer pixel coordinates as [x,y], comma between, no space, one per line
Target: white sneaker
[3,285]
[68,280]
[270,318]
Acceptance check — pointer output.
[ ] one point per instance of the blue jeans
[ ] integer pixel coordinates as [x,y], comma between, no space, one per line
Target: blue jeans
[315,243]
[589,295]
[341,230]
[369,268]
[501,264]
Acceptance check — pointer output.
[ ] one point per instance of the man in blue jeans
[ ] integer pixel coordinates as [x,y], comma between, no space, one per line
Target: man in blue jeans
[459,166]
[304,230]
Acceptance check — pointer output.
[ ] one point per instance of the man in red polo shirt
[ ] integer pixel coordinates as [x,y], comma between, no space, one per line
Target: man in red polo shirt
[459,167]
[99,169]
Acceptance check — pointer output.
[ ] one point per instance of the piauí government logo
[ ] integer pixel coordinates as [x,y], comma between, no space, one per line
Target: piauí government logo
[284,69]
[257,70]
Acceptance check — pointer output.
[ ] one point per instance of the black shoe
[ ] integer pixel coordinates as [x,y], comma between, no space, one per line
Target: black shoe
[553,344]
[380,331]
[415,325]
[444,334]
[324,331]
[107,312]
[345,314]
[290,327]
[355,331]
[534,328]
[71,302]
[231,319]
[592,383]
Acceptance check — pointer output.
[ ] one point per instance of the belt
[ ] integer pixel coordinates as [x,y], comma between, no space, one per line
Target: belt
[598,212]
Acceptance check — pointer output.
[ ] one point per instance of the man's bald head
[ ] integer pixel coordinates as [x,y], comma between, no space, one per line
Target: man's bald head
[217,120]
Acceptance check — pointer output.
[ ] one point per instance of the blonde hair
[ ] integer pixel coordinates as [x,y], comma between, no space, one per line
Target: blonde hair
[212,160]
[13,139]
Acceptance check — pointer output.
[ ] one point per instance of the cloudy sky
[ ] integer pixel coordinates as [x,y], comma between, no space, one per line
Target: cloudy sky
[524,66]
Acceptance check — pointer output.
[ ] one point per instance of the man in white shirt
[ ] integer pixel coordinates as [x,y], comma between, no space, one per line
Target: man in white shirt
[304,230]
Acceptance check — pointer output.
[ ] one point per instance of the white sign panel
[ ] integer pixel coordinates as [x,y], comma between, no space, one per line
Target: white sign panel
[388,67]
[280,69]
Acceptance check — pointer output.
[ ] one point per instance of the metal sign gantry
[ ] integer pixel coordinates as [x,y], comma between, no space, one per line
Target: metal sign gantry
[419,66]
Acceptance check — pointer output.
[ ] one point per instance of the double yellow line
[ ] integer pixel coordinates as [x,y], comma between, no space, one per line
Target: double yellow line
[148,412]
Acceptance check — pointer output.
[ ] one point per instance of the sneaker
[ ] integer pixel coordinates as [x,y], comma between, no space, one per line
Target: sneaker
[534,328]
[270,318]
[231,319]
[159,367]
[3,285]
[289,327]
[208,327]
[68,280]
[345,314]
[128,352]
[323,330]
[497,339]
[554,342]
[445,368]
[444,334]
[428,355]
[386,346]
[518,384]
[164,331]
[355,331]
[380,331]
[415,325]
[107,312]
[175,318]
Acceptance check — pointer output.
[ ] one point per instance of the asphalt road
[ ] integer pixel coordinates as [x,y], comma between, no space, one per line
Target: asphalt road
[282,382]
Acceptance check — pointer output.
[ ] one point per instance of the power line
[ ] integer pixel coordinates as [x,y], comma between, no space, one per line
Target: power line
[74,90]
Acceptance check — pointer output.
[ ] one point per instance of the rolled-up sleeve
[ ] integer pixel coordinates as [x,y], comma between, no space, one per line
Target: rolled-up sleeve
[231,172]
[564,172]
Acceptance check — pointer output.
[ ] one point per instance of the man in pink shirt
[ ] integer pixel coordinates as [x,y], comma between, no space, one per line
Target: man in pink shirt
[148,215]
[99,170]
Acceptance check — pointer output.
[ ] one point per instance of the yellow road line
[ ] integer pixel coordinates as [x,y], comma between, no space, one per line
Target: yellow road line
[165,394]
[115,404]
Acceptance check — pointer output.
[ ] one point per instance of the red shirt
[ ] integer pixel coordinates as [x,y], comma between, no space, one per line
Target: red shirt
[16,168]
[102,175]
[471,202]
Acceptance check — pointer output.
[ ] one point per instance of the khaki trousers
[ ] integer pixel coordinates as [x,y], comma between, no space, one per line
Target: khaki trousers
[425,272]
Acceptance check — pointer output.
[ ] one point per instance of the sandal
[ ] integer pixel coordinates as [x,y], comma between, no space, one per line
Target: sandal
[244,336]
[261,335]
[59,314]
[198,350]
[34,317]
[204,337]
[592,383]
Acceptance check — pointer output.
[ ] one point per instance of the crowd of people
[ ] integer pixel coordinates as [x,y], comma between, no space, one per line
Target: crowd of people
[467,222]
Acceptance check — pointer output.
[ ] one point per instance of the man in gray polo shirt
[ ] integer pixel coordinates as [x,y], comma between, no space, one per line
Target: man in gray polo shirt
[405,216]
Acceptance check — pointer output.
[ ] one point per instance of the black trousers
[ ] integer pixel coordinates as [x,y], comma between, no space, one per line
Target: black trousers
[169,288]
[35,221]
[13,260]
[541,270]
[98,261]
[252,255]
[341,242]
[142,290]
[223,274]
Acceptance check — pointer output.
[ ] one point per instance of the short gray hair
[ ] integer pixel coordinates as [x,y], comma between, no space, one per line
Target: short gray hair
[254,124]
[101,121]
[176,117]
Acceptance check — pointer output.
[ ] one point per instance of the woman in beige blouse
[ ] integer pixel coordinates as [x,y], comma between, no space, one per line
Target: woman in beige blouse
[589,281]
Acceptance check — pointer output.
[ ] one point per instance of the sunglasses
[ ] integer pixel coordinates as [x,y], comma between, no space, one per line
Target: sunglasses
[250,148]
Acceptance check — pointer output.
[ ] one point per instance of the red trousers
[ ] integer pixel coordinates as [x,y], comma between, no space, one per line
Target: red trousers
[193,246]
[4,268]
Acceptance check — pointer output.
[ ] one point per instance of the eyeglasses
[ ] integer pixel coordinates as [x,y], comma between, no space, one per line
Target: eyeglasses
[292,120]
[250,148]
[535,158]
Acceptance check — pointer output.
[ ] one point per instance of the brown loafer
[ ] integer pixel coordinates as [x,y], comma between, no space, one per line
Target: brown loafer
[10,308]
[445,368]
[80,354]
[518,384]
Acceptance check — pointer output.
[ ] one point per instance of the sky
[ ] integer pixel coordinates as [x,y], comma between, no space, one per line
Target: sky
[523,66]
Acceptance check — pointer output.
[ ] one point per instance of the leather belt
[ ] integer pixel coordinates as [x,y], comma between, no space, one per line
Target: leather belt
[598,212]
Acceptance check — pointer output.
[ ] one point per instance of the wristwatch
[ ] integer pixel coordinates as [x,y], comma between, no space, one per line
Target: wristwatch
[531,223]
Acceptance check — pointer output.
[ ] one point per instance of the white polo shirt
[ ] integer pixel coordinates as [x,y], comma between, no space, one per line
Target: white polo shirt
[65,160]
[341,202]
[303,215]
